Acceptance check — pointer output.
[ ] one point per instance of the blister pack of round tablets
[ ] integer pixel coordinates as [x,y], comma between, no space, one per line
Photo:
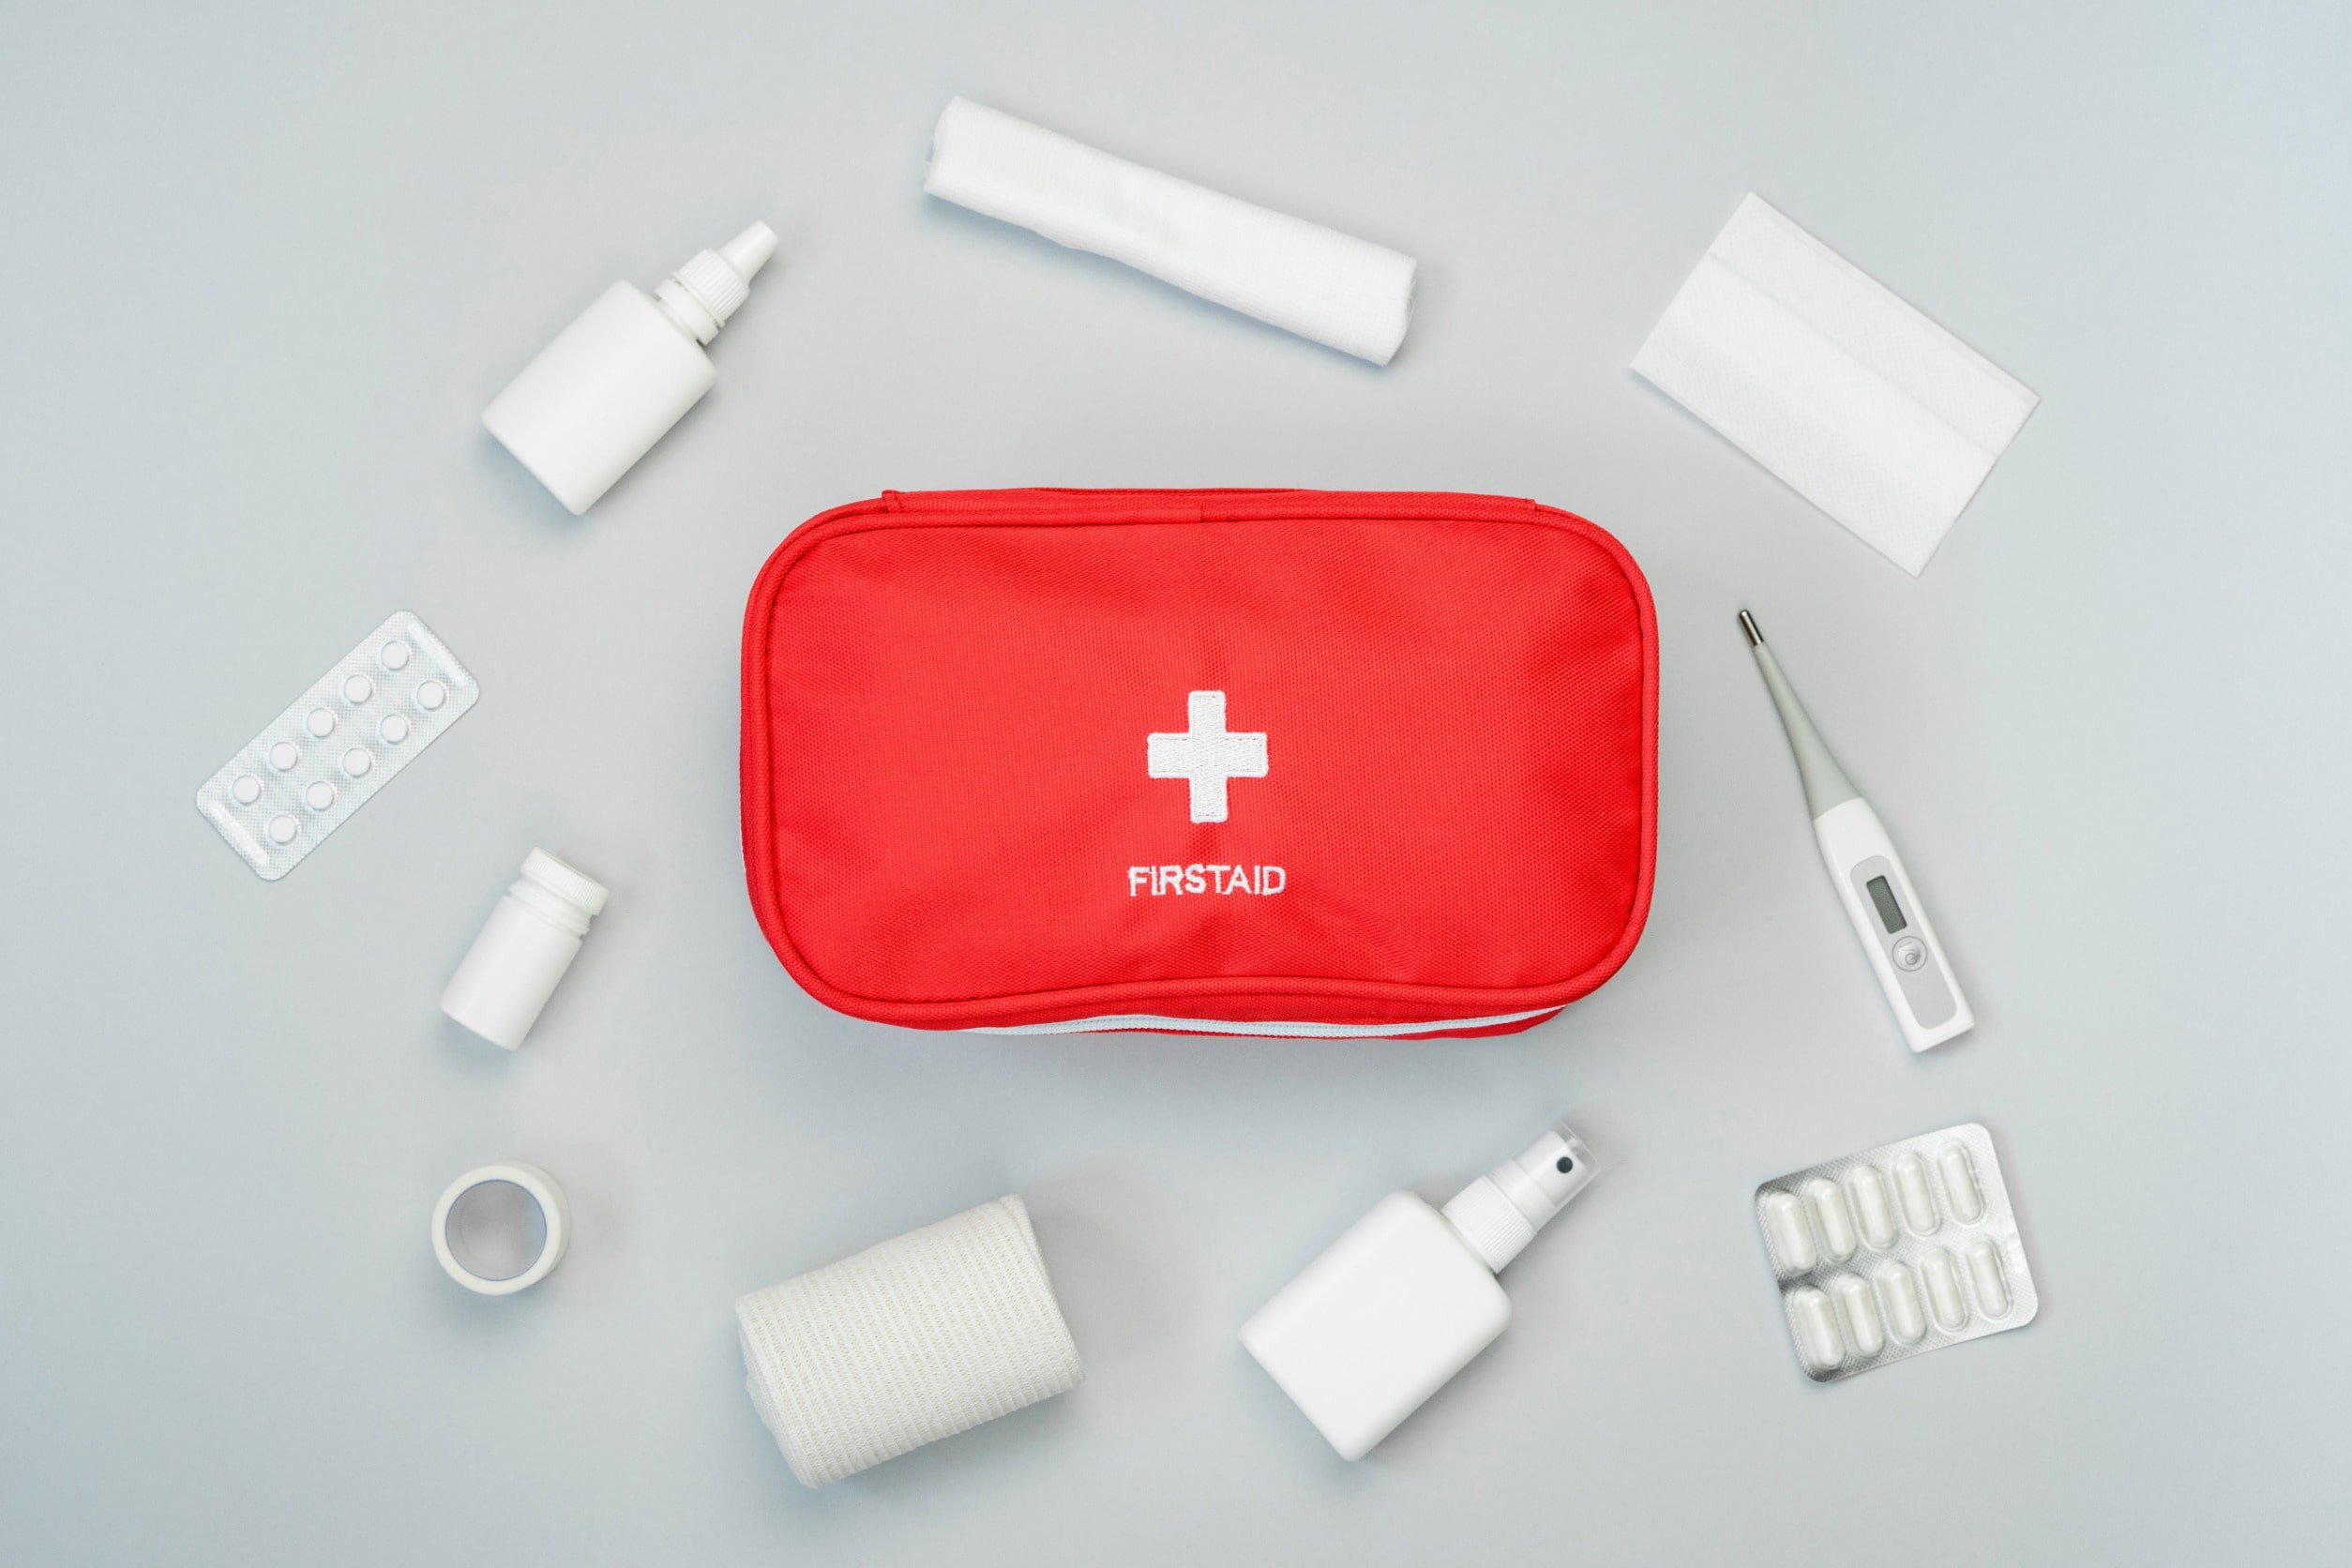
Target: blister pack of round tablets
[336,744]
[1896,1251]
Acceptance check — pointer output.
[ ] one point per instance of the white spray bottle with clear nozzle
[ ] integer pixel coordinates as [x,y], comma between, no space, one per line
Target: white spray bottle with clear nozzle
[1402,1302]
[628,369]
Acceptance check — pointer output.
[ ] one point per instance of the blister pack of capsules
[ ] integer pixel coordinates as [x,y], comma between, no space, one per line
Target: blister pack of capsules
[336,744]
[1896,1251]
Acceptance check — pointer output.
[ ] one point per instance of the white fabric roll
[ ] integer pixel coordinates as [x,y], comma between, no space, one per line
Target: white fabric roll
[1318,283]
[924,1337]
[1810,366]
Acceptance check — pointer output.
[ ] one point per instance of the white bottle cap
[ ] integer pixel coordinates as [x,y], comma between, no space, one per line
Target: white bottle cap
[701,295]
[1500,1214]
[568,883]
[529,940]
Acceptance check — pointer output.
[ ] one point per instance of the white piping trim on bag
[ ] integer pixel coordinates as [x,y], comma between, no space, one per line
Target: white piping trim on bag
[1227,1026]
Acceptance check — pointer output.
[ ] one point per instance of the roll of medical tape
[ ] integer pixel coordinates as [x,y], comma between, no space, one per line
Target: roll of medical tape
[500,1229]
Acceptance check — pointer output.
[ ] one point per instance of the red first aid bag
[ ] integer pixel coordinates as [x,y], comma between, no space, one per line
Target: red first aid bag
[1281,763]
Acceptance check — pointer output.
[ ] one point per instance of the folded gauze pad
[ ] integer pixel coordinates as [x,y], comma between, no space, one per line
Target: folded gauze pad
[1856,400]
[1349,292]
[924,1337]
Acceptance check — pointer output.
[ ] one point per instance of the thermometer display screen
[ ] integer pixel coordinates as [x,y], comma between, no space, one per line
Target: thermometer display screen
[1890,912]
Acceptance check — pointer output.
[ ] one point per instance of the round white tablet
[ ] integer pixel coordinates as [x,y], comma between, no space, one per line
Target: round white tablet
[432,695]
[357,688]
[394,655]
[358,761]
[285,756]
[283,829]
[321,723]
[246,790]
[394,728]
[319,796]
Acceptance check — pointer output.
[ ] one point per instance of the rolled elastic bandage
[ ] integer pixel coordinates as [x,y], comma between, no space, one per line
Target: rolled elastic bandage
[1347,293]
[924,1337]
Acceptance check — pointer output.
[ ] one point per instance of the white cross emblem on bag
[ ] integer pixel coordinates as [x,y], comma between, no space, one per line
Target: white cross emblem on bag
[1206,755]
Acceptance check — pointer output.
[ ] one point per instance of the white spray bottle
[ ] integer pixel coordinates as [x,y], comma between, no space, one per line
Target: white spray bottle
[1402,1302]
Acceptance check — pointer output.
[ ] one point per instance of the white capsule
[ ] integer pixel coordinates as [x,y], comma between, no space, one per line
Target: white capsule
[1919,1203]
[432,695]
[283,829]
[1831,1214]
[1859,1311]
[285,756]
[1906,1319]
[357,688]
[246,790]
[1785,1229]
[321,723]
[1984,1272]
[1943,1290]
[358,761]
[1960,1189]
[1817,1343]
[1872,1206]
[394,728]
[319,796]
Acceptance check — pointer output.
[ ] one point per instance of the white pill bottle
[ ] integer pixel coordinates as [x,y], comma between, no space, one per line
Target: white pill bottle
[528,942]
[628,369]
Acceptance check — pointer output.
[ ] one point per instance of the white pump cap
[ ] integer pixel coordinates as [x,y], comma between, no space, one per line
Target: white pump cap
[1500,1214]
[701,295]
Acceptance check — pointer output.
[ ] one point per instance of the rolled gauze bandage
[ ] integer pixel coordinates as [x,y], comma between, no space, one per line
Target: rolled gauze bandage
[924,1337]
[1318,283]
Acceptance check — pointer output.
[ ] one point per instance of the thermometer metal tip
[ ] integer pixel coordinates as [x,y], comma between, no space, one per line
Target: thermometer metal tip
[1825,783]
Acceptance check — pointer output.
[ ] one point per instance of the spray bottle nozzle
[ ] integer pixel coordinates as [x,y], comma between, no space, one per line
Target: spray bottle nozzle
[1501,1212]
[748,251]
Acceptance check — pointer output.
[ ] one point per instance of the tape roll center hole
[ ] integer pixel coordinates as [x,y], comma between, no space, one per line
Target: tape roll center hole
[496,1230]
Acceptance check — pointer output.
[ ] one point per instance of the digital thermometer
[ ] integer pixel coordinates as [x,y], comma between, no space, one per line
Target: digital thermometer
[1871,882]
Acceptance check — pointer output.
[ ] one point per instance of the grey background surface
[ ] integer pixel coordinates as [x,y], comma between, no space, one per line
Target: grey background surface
[264,267]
